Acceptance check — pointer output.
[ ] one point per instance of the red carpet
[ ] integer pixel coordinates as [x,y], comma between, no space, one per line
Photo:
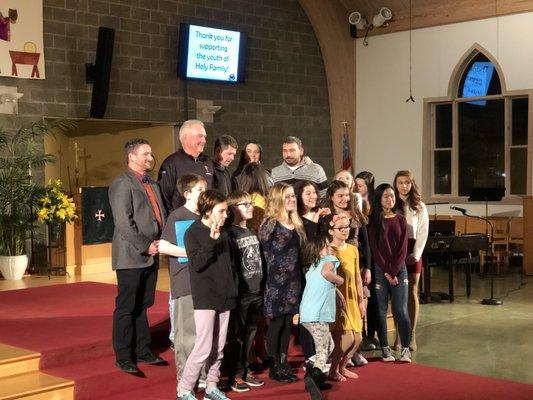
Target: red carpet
[71,326]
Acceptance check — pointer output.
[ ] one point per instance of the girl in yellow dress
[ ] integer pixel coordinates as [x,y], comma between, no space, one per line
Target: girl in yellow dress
[346,330]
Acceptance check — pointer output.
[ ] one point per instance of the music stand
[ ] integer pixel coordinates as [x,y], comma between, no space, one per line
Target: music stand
[486,195]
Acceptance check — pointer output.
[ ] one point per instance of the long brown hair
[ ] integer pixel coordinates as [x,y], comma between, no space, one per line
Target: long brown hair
[413,198]
[254,179]
[310,254]
[354,211]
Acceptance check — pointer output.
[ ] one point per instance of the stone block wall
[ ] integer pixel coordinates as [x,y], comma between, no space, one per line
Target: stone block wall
[285,92]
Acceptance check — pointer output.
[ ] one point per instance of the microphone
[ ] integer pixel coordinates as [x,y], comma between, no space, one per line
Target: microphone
[461,210]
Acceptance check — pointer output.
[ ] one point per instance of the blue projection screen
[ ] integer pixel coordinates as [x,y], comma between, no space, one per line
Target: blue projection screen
[477,81]
[211,54]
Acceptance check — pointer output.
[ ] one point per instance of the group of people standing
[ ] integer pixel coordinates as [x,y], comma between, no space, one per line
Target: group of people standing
[258,255]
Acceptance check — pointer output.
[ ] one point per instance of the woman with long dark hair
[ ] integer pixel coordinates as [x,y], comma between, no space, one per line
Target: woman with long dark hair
[409,203]
[254,179]
[252,152]
[364,181]
[388,241]
[307,202]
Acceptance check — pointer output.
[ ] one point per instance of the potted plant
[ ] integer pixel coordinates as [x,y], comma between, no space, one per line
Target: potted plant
[55,208]
[20,154]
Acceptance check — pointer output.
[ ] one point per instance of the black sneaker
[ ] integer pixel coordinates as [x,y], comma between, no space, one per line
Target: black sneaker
[151,359]
[127,366]
[253,381]
[239,385]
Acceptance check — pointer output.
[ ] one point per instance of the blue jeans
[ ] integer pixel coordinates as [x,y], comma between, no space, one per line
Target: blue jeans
[399,294]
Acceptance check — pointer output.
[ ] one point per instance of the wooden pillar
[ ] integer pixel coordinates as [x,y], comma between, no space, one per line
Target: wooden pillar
[528,234]
[330,23]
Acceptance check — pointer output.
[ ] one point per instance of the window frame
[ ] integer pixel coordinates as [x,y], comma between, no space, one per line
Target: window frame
[429,137]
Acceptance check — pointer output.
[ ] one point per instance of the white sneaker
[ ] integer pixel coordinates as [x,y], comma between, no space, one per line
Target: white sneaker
[405,355]
[386,354]
[359,360]
[350,363]
[326,368]
[202,384]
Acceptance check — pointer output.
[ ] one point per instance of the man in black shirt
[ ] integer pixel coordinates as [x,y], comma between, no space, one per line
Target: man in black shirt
[224,154]
[188,159]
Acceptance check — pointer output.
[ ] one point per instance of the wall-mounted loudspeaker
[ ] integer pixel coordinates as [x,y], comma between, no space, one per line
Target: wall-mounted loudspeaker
[353,31]
[98,73]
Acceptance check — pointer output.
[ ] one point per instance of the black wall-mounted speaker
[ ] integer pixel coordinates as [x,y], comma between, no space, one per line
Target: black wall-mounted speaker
[353,31]
[98,73]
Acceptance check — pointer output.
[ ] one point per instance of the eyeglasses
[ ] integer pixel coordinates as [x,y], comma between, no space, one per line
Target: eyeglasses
[342,228]
[246,204]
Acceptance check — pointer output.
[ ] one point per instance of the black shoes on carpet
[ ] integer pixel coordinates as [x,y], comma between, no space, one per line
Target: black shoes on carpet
[127,366]
[315,381]
[130,367]
[151,359]
[280,370]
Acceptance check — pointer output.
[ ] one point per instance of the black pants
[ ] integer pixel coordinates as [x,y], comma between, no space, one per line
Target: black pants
[278,335]
[372,313]
[136,292]
[241,334]
[307,342]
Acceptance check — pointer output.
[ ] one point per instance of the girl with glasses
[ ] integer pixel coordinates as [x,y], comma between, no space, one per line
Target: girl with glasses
[341,201]
[349,317]
[248,265]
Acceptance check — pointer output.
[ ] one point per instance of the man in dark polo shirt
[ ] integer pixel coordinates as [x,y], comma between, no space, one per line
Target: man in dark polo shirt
[188,159]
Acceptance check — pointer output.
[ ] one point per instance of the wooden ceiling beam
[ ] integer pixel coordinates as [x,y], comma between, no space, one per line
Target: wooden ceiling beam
[330,23]
[430,13]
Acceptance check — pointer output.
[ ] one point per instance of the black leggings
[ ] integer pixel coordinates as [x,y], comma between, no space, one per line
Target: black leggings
[278,334]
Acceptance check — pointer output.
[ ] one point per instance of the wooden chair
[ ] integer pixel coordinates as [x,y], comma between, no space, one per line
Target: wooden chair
[474,225]
[460,224]
[516,235]
[500,240]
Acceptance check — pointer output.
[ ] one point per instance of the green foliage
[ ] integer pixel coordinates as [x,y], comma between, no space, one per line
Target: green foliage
[19,194]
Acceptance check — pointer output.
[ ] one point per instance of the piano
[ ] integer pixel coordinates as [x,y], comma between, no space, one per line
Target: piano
[443,241]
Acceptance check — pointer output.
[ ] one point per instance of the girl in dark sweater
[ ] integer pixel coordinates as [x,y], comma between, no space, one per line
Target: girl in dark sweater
[214,293]
[388,241]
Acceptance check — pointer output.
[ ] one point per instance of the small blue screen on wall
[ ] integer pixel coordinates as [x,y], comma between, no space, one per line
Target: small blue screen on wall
[211,54]
[477,81]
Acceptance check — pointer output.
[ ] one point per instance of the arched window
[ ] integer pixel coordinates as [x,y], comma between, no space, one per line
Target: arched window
[479,135]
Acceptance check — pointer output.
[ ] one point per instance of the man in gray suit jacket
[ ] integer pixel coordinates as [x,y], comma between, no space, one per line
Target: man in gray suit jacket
[138,213]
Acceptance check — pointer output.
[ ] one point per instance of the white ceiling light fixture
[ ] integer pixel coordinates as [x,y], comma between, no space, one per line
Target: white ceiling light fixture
[382,17]
[356,19]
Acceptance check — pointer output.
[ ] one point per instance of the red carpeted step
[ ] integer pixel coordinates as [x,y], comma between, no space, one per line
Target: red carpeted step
[67,323]
[70,325]
[376,381]
[100,377]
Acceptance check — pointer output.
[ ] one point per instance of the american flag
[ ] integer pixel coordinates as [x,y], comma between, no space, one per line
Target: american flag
[346,154]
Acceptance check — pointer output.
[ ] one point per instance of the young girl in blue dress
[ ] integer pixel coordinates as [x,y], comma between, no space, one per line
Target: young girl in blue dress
[317,308]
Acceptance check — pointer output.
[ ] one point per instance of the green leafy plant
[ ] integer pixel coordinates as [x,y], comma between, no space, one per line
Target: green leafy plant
[20,154]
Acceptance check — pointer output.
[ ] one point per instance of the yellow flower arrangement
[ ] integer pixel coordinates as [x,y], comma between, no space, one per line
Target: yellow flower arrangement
[56,206]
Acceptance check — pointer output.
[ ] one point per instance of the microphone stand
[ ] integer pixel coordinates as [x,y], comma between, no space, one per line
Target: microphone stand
[491,301]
